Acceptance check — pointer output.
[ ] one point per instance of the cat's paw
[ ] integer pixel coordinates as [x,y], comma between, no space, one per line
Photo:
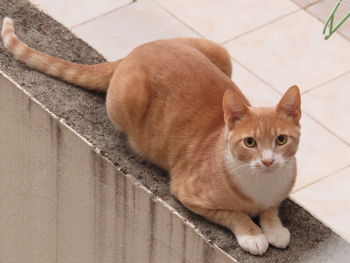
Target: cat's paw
[277,236]
[256,245]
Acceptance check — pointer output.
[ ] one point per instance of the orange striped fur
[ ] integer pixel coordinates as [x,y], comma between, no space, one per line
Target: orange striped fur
[228,161]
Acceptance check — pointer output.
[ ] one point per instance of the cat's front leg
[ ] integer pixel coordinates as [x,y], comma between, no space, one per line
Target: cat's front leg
[248,234]
[271,225]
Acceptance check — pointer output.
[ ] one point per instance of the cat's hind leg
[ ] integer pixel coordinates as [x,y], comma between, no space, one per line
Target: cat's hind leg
[127,97]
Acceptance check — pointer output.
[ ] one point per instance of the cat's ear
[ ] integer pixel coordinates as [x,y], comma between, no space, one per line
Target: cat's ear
[290,104]
[234,108]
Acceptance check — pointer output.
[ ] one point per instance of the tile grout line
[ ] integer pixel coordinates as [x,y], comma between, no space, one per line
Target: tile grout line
[261,26]
[307,5]
[253,73]
[326,82]
[322,178]
[103,14]
[178,19]
[326,128]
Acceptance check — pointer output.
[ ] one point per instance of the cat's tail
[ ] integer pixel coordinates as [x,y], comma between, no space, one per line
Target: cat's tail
[94,77]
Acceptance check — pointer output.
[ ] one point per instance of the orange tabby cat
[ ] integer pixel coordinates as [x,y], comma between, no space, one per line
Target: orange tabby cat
[174,98]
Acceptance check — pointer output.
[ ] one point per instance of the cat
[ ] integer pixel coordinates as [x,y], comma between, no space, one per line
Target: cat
[174,98]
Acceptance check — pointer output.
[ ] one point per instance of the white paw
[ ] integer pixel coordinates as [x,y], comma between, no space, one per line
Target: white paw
[277,236]
[256,245]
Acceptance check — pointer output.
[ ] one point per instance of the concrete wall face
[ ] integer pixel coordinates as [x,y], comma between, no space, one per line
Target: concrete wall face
[28,195]
[60,201]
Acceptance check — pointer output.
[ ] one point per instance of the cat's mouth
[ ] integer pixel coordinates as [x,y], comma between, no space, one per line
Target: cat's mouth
[267,169]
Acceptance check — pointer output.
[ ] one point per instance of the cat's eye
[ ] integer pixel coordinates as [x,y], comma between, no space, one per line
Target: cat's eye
[250,142]
[281,139]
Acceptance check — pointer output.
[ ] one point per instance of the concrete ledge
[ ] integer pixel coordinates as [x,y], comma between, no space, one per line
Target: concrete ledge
[72,191]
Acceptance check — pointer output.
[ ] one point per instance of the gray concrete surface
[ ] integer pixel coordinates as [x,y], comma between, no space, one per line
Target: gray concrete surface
[72,191]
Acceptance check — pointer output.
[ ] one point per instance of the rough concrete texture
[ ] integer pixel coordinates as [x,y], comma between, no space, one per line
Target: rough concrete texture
[84,112]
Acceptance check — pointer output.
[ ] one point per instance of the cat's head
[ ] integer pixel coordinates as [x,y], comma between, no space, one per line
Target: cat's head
[262,138]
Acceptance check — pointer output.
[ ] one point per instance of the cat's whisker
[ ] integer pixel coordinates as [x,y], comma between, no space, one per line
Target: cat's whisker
[240,170]
[242,173]
[256,178]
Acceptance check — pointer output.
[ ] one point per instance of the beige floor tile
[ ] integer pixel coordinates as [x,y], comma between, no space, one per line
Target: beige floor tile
[74,12]
[329,200]
[116,34]
[320,153]
[292,51]
[257,92]
[329,104]
[224,19]
[323,9]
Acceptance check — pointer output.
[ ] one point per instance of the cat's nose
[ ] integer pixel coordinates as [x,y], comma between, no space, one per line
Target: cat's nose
[267,163]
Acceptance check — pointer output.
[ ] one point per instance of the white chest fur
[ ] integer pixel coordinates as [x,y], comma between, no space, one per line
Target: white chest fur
[265,188]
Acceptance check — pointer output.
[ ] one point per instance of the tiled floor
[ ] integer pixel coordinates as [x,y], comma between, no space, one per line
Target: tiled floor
[274,44]
[72,13]
[117,33]
[225,19]
[284,52]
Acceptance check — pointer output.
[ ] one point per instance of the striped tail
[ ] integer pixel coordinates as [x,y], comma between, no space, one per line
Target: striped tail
[94,77]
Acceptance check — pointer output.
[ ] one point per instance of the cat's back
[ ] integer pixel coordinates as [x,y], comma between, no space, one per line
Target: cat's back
[172,60]
[172,68]
[163,93]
